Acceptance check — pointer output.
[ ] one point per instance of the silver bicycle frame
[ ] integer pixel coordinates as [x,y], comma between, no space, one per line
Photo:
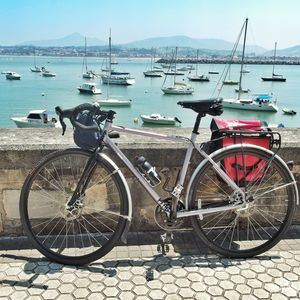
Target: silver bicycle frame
[179,185]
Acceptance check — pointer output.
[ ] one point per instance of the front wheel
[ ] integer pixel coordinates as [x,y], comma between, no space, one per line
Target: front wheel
[80,232]
[270,193]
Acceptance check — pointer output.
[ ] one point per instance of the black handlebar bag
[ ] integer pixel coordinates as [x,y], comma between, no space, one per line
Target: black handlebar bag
[86,139]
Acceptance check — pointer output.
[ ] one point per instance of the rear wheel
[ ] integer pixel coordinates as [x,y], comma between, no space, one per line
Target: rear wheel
[270,195]
[84,231]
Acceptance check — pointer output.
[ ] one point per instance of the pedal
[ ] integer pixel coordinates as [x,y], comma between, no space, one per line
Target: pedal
[166,239]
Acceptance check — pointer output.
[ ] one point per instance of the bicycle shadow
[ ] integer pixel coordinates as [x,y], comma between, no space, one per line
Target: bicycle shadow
[186,251]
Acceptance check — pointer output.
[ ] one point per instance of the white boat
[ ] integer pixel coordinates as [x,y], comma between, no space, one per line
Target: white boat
[89,88]
[257,103]
[159,119]
[47,73]
[36,119]
[177,88]
[113,77]
[289,111]
[114,102]
[36,69]
[12,75]
[117,80]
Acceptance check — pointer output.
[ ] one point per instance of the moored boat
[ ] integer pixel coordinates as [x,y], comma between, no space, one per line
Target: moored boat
[89,88]
[289,111]
[159,119]
[12,76]
[47,73]
[114,102]
[35,119]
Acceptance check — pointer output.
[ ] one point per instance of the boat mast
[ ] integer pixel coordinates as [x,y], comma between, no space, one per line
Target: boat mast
[243,55]
[85,59]
[274,58]
[109,63]
[197,62]
[175,65]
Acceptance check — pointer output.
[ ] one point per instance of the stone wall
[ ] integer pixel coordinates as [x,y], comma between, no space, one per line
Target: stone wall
[21,149]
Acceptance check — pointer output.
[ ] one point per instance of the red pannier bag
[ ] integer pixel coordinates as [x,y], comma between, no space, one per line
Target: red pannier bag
[227,132]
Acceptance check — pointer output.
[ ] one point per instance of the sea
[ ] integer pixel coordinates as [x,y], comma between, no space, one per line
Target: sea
[33,91]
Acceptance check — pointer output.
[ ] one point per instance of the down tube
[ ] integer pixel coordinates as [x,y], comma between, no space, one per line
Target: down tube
[130,166]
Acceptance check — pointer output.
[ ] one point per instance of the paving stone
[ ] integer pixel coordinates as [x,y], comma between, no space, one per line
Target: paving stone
[170,288]
[278,296]
[167,278]
[5,291]
[18,295]
[173,297]
[210,281]
[68,277]
[81,293]
[203,296]
[182,282]
[157,294]
[261,294]
[110,291]
[96,287]
[126,296]
[226,284]
[50,294]
[140,290]
[186,293]
[215,291]
[66,288]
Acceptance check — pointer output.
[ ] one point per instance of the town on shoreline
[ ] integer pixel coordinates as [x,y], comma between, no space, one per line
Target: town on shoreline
[207,56]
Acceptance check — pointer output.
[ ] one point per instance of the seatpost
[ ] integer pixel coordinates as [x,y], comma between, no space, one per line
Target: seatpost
[197,123]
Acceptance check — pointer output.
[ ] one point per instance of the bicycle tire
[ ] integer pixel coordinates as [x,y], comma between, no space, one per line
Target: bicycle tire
[252,231]
[91,229]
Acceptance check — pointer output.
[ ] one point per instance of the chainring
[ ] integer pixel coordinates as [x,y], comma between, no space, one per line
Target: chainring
[162,220]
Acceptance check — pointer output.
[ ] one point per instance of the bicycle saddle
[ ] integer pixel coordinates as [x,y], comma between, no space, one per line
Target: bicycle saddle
[212,106]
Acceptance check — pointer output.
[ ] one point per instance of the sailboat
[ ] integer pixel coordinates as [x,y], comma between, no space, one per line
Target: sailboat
[111,101]
[242,71]
[152,72]
[113,77]
[197,77]
[274,77]
[35,69]
[88,74]
[178,88]
[258,102]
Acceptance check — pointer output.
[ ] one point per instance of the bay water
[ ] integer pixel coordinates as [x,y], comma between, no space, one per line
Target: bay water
[33,91]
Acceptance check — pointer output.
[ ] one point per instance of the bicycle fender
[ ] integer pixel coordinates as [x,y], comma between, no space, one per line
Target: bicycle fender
[212,155]
[129,216]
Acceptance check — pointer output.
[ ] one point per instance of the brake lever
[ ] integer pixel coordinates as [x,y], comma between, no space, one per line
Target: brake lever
[63,125]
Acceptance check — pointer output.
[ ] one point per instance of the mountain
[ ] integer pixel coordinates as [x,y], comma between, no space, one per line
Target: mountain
[182,41]
[185,41]
[74,39]
[292,51]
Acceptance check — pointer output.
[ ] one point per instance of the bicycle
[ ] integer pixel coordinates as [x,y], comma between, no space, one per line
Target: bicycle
[85,203]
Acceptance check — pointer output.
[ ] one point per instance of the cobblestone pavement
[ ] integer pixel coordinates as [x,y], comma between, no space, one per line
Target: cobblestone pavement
[139,271]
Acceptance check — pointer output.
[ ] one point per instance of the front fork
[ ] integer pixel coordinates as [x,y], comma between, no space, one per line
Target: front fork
[83,182]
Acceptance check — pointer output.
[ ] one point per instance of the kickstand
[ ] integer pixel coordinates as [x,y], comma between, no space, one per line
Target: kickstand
[165,239]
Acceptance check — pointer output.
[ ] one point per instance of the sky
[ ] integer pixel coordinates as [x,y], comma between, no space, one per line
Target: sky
[130,20]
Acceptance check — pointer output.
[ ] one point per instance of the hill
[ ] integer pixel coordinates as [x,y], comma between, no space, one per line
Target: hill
[185,41]
[74,39]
